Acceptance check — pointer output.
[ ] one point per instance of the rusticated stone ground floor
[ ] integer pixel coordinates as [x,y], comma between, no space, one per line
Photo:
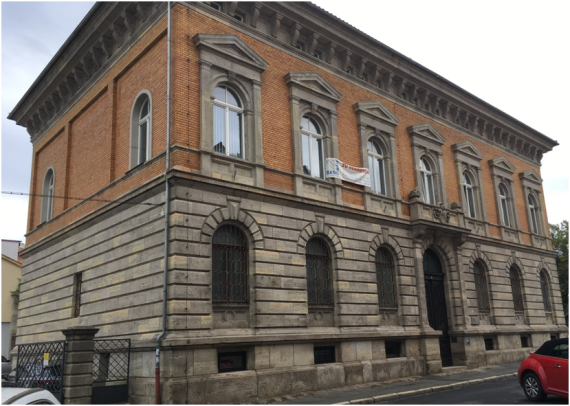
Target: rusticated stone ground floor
[281,336]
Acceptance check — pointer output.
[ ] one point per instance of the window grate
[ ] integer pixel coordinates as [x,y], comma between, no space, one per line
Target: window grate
[324,355]
[516,288]
[319,275]
[229,266]
[481,287]
[232,361]
[385,278]
[489,345]
[524,342]
[393,349]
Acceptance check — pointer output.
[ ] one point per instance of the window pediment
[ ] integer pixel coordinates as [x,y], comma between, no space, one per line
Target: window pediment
[313,84]
[531,176]
[502,164]
[375,111]
[231,47]
[427,133]
[467,149]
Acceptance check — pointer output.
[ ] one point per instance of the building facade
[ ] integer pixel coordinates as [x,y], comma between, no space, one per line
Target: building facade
[280,279]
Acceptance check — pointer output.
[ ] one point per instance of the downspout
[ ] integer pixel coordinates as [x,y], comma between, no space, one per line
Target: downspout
[166,217]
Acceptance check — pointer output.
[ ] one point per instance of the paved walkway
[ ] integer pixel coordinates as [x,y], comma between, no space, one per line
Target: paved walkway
[371,390]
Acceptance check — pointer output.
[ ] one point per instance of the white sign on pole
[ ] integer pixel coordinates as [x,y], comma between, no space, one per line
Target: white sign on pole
[340,170]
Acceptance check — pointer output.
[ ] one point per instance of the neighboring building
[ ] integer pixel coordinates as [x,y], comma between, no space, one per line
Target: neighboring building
[290,280]
[11,274]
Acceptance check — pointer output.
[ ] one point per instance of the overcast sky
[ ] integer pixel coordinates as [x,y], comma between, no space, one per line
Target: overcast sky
[514,55]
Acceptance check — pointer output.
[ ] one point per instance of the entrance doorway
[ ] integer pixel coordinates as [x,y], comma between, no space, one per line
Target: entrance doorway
[435,298]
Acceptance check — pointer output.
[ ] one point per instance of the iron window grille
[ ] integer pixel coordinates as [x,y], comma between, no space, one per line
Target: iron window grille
[481,287]
[544,289]
[229,266]
[393,349]
[516,288]
[489,344]
[524,342]
[324,355]
[232,361]
[385,278]
[77,279]
[319,275]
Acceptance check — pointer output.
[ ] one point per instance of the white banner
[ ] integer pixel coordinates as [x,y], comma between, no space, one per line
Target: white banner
[340,170]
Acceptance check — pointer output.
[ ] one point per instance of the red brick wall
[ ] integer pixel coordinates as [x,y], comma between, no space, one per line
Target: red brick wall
[144,66]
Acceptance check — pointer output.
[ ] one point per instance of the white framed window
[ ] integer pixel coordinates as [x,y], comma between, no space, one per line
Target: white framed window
[427,181]
[47,196]
[141,129]
[504,205]
[376,167]
[312,145]
[469,195]
[144,132]
[228,123]
[532,206]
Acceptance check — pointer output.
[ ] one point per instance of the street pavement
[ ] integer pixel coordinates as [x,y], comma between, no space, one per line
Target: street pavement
[500,392]
[366,391]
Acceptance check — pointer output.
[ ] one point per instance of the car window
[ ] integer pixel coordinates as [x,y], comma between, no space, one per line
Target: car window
[559,351]
[4,359]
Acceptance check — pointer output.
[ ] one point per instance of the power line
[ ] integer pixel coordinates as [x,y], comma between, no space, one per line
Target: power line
[79,198]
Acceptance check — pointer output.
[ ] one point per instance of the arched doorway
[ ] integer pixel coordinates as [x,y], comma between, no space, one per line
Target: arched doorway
[435,300]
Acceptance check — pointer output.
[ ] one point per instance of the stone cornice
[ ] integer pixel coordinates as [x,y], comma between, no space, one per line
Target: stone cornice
[102,37]
[393,73]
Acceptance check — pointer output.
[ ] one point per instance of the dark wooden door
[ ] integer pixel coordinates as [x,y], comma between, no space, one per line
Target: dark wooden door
[435,298]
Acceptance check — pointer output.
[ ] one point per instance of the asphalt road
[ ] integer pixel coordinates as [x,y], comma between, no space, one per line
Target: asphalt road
[499,392]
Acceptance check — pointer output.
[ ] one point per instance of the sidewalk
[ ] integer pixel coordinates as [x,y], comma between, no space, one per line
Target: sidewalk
[365,393]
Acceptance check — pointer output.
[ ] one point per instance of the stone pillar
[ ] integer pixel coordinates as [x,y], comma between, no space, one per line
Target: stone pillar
[77,378]
[14,319]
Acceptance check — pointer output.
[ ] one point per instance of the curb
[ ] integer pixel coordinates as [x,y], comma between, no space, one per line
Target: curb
[400,395]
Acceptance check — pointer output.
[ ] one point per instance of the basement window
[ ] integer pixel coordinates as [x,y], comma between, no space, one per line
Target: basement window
[232,361]
[524,342]
[553,337]
[393,349]
[324,355]
[489,344]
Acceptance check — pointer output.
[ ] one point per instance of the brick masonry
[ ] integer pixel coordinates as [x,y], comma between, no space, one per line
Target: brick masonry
[119,248]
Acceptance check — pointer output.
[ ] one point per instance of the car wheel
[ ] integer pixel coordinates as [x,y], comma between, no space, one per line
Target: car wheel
[533,388]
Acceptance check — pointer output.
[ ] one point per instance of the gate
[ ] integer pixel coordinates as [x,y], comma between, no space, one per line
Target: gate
[111,360]
[41,366]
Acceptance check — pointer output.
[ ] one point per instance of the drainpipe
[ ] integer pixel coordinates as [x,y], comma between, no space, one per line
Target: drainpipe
[166,217]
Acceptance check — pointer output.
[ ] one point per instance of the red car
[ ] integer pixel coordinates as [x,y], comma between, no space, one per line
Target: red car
[545,372]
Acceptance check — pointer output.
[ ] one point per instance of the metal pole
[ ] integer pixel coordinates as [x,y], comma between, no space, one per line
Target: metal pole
[166,217]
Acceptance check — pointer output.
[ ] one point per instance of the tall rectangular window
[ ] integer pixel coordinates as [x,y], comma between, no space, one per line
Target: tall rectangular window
[77,280]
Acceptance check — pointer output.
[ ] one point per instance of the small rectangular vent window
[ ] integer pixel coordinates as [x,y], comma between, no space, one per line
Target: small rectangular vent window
[553,337]
[215,6]
[324,355]
[232,361]
[488,344]
[393,349]
[238,17]
[318,55]
[524,342]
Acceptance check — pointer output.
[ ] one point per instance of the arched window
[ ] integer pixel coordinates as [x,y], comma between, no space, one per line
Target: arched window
[504,205]
[427,181]
[228,123]
[516,289]
[47,196]
[386,278]
[141,130]
[533,218]
[481,286]
[319,273]
[229,266]
[545,291]
[376,167]
[469,198]
[312,143]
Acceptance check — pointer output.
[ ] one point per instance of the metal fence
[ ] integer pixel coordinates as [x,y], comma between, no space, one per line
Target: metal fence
[41,365]
[111,360]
